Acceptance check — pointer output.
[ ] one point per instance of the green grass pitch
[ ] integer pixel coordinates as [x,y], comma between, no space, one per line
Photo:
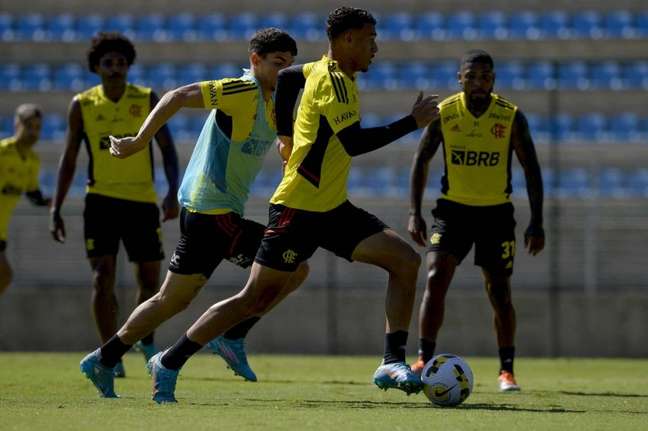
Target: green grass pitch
[46,391]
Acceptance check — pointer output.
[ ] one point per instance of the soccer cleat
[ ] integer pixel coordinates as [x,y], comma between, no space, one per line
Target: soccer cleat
[148,350]
[164,380]
[507,382]
[233,352]
[397,375]
[417,366]
[100,375]
[119,371]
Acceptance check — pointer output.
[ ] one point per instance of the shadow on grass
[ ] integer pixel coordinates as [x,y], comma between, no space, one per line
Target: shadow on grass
[513,408]
[276,381]
[602,394]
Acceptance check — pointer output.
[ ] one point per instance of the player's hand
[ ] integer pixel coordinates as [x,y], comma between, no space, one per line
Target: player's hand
[534,239]
[170,207]
[417,229]
[284,146]
[125,147]
[425,109]
[57,227]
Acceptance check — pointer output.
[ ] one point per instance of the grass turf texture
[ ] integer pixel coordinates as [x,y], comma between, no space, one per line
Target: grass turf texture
[47,391]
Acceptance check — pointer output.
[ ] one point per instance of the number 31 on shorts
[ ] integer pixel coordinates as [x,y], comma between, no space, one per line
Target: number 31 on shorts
[508,248]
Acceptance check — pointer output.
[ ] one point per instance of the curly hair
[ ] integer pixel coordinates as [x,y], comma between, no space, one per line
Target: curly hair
[105,42]
[347,18]
[477,56]
[272,39]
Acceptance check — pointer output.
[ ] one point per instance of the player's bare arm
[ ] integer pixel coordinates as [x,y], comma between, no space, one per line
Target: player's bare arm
[428,146]
[66,169]
[534,238]
[188,96]
[170,207]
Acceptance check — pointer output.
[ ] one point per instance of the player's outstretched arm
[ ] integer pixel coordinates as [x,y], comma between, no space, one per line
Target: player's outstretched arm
[289,82]
[189,96]
[170,207]
[357,140]
[67,166]
[428,145]
[534,238]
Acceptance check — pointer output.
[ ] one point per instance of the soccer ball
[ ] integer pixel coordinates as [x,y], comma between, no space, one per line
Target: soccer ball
[447,380]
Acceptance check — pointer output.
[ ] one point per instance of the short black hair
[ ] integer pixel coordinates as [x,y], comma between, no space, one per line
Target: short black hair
[477,56]
[105,42]
[28,110]
[270,40]
[347,18]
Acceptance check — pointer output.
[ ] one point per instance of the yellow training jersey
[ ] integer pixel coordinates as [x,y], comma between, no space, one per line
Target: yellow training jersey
[18,174]
[130,178]
[317,171]
[477,151]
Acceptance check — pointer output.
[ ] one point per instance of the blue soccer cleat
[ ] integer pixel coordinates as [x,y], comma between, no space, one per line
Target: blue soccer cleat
[148,350]
[119,371]
[164,380]
[233,352]
[397,375]
[100,375]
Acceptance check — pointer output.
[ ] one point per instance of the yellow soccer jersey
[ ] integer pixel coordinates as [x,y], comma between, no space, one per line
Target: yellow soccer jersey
[18,174]
[236,102]
[317,172]
[130,178]
[477,151]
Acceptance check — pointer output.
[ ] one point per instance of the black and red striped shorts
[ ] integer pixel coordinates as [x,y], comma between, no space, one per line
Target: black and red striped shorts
[293,235]
[207,239]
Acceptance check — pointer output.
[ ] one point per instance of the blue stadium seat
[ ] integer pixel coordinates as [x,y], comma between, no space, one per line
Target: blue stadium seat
[151,27]
[192,72]
[36,77]
[573,76]
[563,126]
[398,26]
[10,77]
[89,25]
[69,77]
[539,127]
[275,19]
[53,128]
[637,183]
[492,25]
[430,25]
[382,75]
[225,70]
[443,74]
[540,76]
[611,183]
[370,119]
[624,127]
[461,25]
[137,74]
[61,27]
[242,26]
[415,74]
[6,27]
[591,128]
[182,27]
[162,75]
[6,126]
[180,127]
[518,182]
[211,27]
[122,23]
[30,27]
[196,123]
[554,25]
[641,23]
[307,25]
[510,75]
[618,24]
[574,183]
[606,75]
[586,24]
[523,25]
[635,75]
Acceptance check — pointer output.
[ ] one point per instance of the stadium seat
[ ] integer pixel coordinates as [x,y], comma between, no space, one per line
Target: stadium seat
[137,74]
[443,74]
[89,25]
[242,26]
[381,75]
[306,25]
[151,28]
[182,27]
[211,27]
[461,25]
[606,75]
[6,126]
[53,128]
[415,74]
[563,125]
[397,26]
[370,119]
[573,76]
[637,183]
[30,27]
[510,75]
[574,183]
[492,25]
[179,127]
[539,127]
[540,76]
[275,19]
[10,77]
[61,27]
[611,183]
[6,27]
[590,128]
[122,23]
[162,75]
[635,75]
[641,22]
[586,25]
[553,25]
[523,25]
[36,77]
[624,127]
[192,72]
[225,70]
[618,24]
[429,25]
[68,77]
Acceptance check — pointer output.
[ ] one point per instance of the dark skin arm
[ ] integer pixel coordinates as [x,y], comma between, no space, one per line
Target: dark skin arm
[534,239]
[67,165]
[427,148]
[170,207]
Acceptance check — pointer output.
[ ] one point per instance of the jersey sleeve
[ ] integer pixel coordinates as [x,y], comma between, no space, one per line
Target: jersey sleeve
[336,106]
[227,94]
[212,92]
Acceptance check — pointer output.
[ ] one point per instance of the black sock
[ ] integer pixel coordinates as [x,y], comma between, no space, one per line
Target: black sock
[395,345]
[179,353]
[148,339]
[241,330]
[426,349]
[112,351]
[506,354]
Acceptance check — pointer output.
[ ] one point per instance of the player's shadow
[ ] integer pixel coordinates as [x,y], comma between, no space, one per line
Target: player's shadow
[512,408]
[275,381]
[602,394]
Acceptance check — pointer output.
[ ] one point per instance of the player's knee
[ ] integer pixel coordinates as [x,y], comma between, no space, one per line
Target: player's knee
[406,263]
[438,274]
[258,303]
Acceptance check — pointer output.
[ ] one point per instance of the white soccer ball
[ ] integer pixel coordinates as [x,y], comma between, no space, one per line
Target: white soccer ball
[447,380]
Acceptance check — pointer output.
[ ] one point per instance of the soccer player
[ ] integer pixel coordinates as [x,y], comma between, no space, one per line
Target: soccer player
[478,131]
[310,208]
[19,166]
[120,203]
[228,156]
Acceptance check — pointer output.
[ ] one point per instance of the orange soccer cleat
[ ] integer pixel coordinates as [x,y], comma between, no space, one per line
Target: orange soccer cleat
[507,382]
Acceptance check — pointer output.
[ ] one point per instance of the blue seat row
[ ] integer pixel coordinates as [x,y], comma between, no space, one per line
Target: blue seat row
[511,75]
[591,128]
[310,26]
[384,182]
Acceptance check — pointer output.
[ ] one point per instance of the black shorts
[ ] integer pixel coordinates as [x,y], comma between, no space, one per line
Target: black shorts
[3,245]
[293,235]
[208,239]
[491,228]
[108,220]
